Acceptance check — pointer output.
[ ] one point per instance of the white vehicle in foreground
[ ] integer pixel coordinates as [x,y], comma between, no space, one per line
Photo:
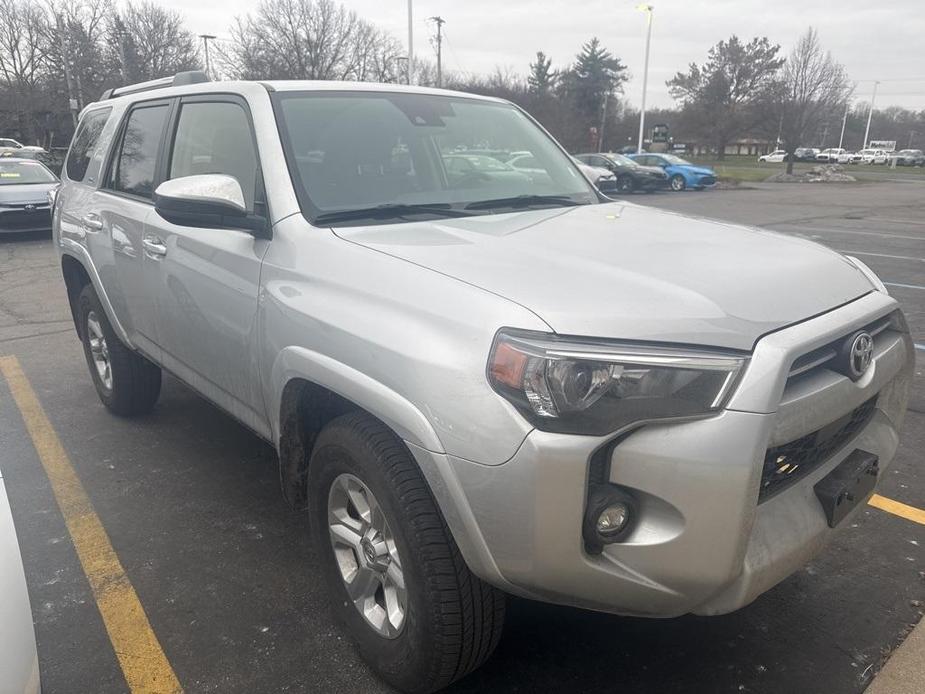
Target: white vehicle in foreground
[19,665]
[775,157]
[834,155]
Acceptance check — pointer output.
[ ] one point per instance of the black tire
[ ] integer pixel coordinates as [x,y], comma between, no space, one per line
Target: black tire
[135,381]
[453,620]
[678,183]
[626,184]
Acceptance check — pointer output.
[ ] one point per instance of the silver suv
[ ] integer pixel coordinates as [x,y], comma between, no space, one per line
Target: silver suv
[479,381]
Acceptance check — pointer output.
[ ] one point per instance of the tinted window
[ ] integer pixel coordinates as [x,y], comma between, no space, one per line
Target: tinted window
[215,138]
[137,161]
[84,144]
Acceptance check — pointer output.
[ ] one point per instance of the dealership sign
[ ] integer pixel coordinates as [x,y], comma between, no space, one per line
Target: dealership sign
[888,145]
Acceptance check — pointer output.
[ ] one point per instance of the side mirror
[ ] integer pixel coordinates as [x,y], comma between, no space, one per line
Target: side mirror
[205,200]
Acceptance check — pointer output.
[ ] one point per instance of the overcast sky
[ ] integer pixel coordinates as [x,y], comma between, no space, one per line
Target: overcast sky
[874,40]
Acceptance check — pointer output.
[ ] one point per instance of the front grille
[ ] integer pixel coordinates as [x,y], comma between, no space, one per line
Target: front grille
[21,218]
[707,180]
[820,356]
[790,462]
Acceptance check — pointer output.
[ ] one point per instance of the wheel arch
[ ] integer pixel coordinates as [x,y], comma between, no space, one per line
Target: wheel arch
[310,389]
[78,270]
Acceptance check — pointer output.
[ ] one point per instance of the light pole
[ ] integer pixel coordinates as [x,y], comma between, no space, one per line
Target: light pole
[205,49]
[870,113]
[645,73]
[844,122]
[410,40]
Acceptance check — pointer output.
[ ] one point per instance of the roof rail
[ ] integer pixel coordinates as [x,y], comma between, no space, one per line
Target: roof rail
[178,80]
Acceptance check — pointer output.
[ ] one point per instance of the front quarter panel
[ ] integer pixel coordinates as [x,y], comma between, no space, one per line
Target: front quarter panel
[406,343]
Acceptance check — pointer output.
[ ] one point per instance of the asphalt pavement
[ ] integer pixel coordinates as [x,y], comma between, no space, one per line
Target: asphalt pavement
[226,575]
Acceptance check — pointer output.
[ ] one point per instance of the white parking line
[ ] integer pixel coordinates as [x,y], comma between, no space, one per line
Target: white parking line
[904,286]
[854,232]
[880,255]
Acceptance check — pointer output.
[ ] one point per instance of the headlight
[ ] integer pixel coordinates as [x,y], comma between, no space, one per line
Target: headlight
[597,387]
[869,274]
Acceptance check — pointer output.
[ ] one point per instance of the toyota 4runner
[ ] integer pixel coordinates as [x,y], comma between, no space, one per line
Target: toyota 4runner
[479,380]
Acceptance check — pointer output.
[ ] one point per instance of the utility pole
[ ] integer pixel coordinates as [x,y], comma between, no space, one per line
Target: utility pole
[410,41]
[645,75]
[600,133]
[68,79]
[844,122]
[869,114]
[205,49]
[439,21]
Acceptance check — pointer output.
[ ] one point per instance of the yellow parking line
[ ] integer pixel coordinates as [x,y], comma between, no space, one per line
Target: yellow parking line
[143,662]
[898,509]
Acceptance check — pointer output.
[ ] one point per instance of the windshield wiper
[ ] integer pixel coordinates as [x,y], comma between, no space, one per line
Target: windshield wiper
[519,201]
[392,210]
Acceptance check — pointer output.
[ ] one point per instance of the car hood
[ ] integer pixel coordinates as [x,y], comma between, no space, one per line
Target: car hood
[630,272]
[702,170]
[26,193]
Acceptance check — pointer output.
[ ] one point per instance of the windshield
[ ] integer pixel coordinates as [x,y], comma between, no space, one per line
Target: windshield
[672,159]
[418,155]
[20,172]
[622,160]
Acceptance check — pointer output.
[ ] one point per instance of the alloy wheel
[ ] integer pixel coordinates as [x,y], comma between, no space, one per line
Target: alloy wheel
[366,555]
[99,350]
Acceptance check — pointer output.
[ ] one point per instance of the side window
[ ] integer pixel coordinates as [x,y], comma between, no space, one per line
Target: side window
[214,137]
[84,144]
[136,163]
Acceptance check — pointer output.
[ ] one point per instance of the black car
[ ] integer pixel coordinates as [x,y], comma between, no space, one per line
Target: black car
[24,188]
[630,175]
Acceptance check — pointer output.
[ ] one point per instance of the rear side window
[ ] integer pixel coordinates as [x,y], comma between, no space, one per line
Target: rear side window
[135,165]
[215,137]
[84,144]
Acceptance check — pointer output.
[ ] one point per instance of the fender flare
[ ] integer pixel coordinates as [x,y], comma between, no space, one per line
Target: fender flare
[73,249]
[397,412]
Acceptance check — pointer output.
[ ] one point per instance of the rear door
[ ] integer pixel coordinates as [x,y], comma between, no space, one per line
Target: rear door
[119,211]
[207,279]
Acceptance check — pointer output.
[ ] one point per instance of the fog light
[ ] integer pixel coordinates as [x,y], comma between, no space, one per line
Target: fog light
[609,516]
[612,520]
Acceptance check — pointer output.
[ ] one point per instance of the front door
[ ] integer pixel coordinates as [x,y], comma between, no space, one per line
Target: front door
[208,279]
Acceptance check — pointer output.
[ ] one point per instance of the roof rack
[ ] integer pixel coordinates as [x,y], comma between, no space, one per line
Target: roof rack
[178,80]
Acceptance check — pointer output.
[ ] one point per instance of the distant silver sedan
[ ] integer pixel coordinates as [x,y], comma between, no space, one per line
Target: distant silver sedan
[19,665]
[24,188]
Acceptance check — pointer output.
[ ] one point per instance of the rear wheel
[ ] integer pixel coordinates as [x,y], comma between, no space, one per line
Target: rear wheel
[678,183]
[127,383]
[419,617]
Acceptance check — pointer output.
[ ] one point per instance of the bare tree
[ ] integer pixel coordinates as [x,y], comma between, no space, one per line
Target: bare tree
[812,88]
[152,42]
[311,39]
[22,61]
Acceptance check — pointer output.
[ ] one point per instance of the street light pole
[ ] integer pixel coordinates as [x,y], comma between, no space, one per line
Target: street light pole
[645,74]
[844,121]
[205,49]
[870,113]
[410,40]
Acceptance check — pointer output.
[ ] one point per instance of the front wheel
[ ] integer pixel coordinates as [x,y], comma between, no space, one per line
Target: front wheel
[626,184]
[678,183]
[419,617]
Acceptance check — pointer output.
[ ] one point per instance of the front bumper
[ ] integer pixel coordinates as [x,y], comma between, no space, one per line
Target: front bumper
[701,543]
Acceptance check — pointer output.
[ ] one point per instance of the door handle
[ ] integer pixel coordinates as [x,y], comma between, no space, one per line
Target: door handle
[154,247]
[92,222]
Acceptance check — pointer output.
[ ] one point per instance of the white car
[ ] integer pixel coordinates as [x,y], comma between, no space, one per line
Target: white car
[19,665]
[874,156]
[775,157]
[11,147]
[834,155]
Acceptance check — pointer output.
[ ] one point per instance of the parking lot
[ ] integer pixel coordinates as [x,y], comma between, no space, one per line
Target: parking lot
[190,504]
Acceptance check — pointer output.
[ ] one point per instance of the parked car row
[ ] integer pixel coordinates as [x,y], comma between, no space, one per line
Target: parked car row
[838,155]
[13,148]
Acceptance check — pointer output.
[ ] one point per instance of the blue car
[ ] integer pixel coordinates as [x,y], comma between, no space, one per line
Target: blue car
[681,173]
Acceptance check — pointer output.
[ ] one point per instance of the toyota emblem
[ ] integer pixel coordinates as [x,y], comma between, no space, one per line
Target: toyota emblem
[861,355]
[30,208]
